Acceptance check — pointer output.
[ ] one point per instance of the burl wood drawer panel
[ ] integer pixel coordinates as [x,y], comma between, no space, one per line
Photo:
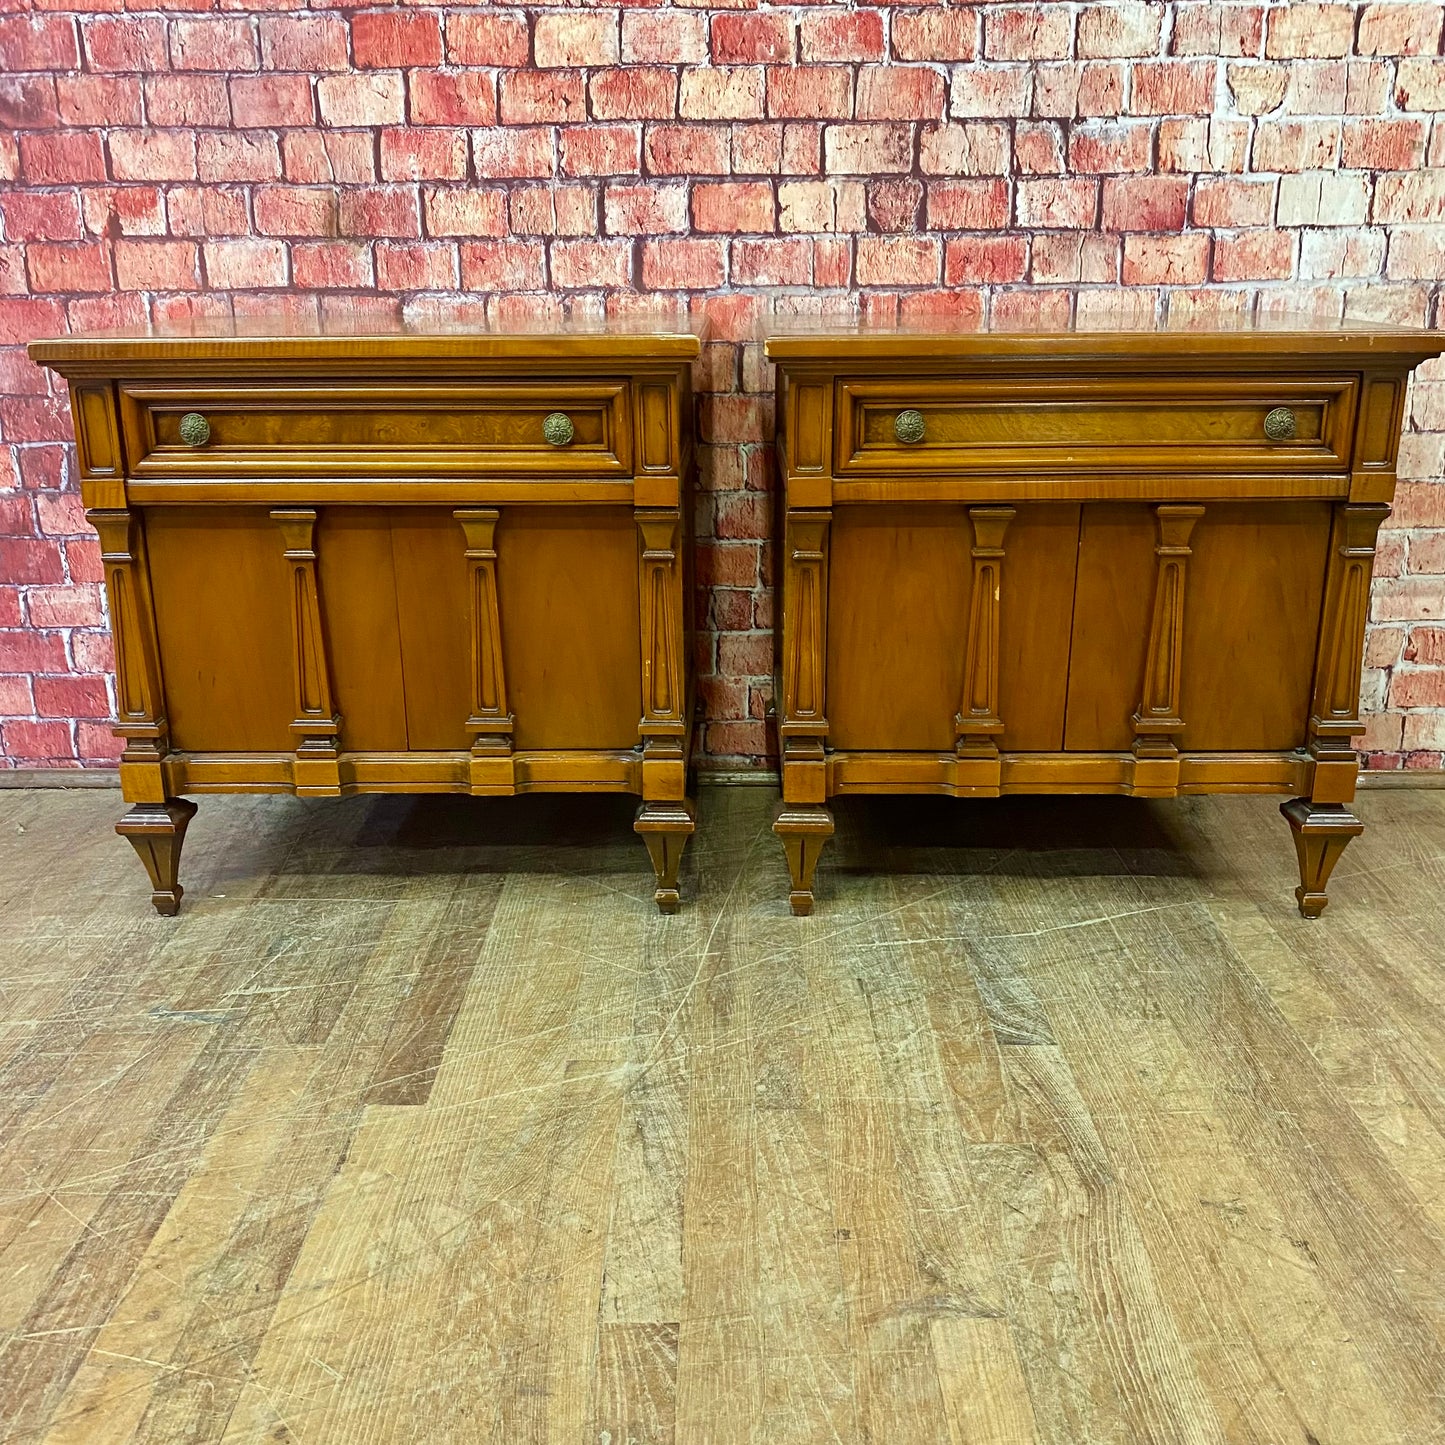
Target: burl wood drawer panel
[569,428]
[924,423]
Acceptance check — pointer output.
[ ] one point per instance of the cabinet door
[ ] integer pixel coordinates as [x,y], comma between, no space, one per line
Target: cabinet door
[1252,597]
[900,584]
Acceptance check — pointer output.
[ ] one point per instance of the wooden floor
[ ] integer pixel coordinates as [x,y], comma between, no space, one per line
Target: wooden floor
[421,1127]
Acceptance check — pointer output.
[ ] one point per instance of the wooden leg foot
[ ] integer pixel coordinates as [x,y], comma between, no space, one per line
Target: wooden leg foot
[665,827]
[804,828]
[1321,831]
[156,832]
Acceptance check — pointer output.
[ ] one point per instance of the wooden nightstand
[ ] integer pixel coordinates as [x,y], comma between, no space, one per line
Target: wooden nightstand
[1121,562]
[403,562]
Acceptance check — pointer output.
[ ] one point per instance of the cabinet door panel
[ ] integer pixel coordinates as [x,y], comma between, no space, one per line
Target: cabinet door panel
[224,623]
[571,636]
[1113,600]
[358,602]
[1251,616]
[900,583]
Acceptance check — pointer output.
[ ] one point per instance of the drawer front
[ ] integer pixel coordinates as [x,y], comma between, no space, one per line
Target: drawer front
[930,424]
[568,429]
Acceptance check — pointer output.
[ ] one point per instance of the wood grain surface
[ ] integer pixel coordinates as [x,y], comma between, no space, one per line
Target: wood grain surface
[421,1125]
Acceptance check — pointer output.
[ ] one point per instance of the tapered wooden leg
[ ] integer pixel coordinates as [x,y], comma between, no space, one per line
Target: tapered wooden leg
[665,827]
[1321,831]
[156,831]
[804,828]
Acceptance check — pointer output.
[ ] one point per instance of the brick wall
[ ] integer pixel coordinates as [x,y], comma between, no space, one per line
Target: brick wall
[1023,162]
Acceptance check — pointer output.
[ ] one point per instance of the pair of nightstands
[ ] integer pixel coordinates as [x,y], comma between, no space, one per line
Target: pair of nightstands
[1126,562]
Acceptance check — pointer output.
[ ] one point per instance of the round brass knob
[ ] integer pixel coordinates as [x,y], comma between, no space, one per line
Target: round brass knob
[557,428]
[195,429]
[908,426]
[1279,425]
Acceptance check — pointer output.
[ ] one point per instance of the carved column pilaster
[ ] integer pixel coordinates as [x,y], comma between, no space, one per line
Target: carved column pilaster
[316,724]
[490,722]
[1157,723]
[977,723]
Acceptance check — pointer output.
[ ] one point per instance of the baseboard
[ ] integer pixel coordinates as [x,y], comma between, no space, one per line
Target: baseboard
[761,778]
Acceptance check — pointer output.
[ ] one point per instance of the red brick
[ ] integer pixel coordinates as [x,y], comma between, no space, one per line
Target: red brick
[1418,687]
[30,652]
[512,154]
[934,35]
[1039,148]
[532,97]
[1124,29]
[845,35]
[206,211]
[26,560]
[35,216]
[758,149]
[1426,645]
[272,100]
[376,99]
[895,92]
[396,39]
[810,92]
[579,265]
[752,39]
[894,205]
[465,211]
[687,150]
[1414,196]
[28,102]
[187,100]
[238,156]
[899,260]
[157,265]
[307,43]
[1110,149]
[1173,87]
[244,265]
[1145,203]
[1420,85]
[1166,260]
[977,260]
[39,42]
[418,267]
[645,210]
[430,154]
[32,742]
[77,266]
[567,38]
[487,40]
[214,44]
[1058,204]
[57,158]
[1211,29]
[741,206]
[93,652]
[821,206]
[152,155]
[95,743]
[1231,203]
[452,97]
[869,149]
[71,696]
[663,37]
[1066,90]
[1296,145]
[1303,31]
[391,211]
[1254,256]
[601,150]
[967,205]
[130,42]
[1383,145]
[1027,32]
[317,157]
[989,90]
[98,100]
[633,93]
[785,262]
[502,266]
[16,697]
[721,93]
[683,265]
[331,264]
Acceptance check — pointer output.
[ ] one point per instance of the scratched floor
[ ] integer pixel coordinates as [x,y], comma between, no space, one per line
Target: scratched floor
[420,1127]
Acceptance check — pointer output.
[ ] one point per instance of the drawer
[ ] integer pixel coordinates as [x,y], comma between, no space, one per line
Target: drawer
[565,429]
[1191,424]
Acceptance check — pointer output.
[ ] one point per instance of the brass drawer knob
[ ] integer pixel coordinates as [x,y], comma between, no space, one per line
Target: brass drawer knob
[195,429]
[908,426]
[1279,425]
[557,428]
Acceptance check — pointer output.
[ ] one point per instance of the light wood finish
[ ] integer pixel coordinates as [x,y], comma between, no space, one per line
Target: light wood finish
[408,561]
[1079,562]
[418,1124]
